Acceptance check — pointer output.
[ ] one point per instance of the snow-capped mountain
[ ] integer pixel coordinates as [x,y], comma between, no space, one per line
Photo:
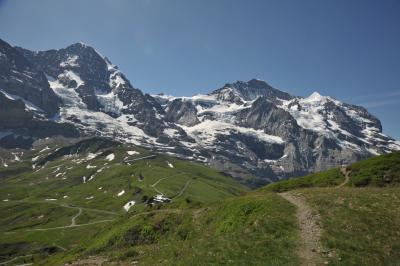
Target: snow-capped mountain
[97,98]
[243,127]
[274,133]
[27,103]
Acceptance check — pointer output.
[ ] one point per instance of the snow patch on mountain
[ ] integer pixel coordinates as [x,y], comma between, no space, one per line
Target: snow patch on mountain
[132,152]
[116,79]
[207,131]
[71,61]
[110,102]
[394,145]
[75,110]
[171,132]
[110,157]
[71,75]
[68,96]
[308,112]
[197,99]
[226,107]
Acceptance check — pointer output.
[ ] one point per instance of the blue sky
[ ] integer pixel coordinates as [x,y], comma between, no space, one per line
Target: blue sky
[348,49]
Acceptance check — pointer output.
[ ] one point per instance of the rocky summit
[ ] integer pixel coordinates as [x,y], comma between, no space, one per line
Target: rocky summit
[242,128]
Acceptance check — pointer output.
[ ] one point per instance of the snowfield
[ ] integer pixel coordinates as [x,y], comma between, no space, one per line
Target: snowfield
[206,132]
[71,61]
[110,157]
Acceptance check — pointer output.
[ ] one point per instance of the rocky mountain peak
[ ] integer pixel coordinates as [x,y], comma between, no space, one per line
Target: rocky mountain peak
[22,79]
[250,90]
[79,45]
[317,98]
[258,83]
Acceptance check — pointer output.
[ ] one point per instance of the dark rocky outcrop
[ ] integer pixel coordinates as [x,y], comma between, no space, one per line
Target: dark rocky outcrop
[21,78]
[181,112]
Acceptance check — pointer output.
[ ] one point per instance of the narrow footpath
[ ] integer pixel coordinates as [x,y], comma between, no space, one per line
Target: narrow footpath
[310,232]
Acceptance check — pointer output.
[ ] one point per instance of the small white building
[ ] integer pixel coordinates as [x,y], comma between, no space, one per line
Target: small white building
[161,198]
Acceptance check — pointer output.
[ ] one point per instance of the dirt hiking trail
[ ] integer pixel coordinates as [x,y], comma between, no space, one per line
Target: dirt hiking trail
[310,232]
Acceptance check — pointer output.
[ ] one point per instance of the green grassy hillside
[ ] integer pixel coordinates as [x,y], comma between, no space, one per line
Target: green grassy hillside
[360,225]
[359,220]
[328,178]
[211,219]
[42,190]
[248,230]
[380,171]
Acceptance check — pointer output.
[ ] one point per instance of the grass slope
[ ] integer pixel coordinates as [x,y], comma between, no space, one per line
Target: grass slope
[380,171]
[360,220]
[248,230]
[360,225]
[86,180]
[210,220]
[328,178]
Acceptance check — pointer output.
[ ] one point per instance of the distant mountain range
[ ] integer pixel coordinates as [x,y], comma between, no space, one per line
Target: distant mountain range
[242,128]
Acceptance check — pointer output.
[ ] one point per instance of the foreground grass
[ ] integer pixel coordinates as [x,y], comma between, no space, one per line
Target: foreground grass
[259,229]
[360,225]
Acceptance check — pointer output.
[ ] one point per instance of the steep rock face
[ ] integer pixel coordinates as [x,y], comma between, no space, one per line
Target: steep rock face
[265,115]
[26,102]
[20,125]
[19,77]
[181,112]
[12,113]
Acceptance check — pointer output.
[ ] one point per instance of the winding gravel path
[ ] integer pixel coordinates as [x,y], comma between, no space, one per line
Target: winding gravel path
[69,226]
[346,174]
[310,232]
[161,179]
[140,158]
[156,183]
[183,189]
[73,220]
